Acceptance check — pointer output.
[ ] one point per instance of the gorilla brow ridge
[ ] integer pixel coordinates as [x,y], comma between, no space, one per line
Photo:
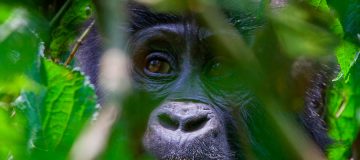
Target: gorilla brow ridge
[138,22]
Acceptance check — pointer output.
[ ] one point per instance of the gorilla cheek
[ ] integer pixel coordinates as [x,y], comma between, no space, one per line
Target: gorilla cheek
[186,130]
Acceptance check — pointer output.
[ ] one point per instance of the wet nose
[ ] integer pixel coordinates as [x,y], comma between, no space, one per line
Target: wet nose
[186,123]
[184,117]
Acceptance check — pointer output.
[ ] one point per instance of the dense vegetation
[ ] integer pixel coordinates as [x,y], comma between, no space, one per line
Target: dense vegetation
[45,105]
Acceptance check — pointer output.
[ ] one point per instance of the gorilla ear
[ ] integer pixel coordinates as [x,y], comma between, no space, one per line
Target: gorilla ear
[313,76]
[303,71]
[308,70]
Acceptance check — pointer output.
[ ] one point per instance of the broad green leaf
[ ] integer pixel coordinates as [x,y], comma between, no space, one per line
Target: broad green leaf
[347,27]
[343,108]
[345,54]
[58,111]
[348,12]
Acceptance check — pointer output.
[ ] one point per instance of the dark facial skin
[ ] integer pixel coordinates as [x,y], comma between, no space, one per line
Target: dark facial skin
[205,112]
[171,62]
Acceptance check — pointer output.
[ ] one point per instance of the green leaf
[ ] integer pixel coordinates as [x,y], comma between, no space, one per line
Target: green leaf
[58,111]
[345,54]
[343,108]
[348,12]
[346,26]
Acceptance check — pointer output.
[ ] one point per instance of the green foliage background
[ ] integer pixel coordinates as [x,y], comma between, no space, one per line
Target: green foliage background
[44,105]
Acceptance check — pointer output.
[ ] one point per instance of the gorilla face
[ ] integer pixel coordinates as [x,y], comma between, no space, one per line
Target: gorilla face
[172,61]
[206,111]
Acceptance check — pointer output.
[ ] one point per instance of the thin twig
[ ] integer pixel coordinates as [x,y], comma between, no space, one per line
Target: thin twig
[342,107]
[78,43]
[60,12]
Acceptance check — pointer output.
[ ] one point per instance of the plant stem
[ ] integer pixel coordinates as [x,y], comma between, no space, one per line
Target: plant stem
[78,43]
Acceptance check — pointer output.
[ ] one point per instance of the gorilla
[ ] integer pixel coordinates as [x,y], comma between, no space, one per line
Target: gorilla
[205,110]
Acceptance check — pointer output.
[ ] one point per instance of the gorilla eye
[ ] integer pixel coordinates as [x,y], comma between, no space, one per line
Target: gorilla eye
[216,69]
[158,66]
[158,63]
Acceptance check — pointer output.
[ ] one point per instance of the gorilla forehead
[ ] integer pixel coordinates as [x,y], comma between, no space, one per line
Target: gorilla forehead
[243,21]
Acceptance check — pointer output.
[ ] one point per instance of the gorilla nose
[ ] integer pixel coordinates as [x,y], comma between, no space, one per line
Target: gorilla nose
[185,117]
[186,123]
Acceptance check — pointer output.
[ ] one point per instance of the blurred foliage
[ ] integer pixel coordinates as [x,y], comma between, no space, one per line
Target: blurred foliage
[19,43]
[124,141]
[13,136]
[67,27]
[304,31]
[44,106]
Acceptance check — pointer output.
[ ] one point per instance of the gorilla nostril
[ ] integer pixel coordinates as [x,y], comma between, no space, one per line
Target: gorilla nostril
[167,122]
[195,124]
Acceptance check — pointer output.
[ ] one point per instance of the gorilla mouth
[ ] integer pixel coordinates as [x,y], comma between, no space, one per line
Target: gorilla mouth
[186,131]
[211,146]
